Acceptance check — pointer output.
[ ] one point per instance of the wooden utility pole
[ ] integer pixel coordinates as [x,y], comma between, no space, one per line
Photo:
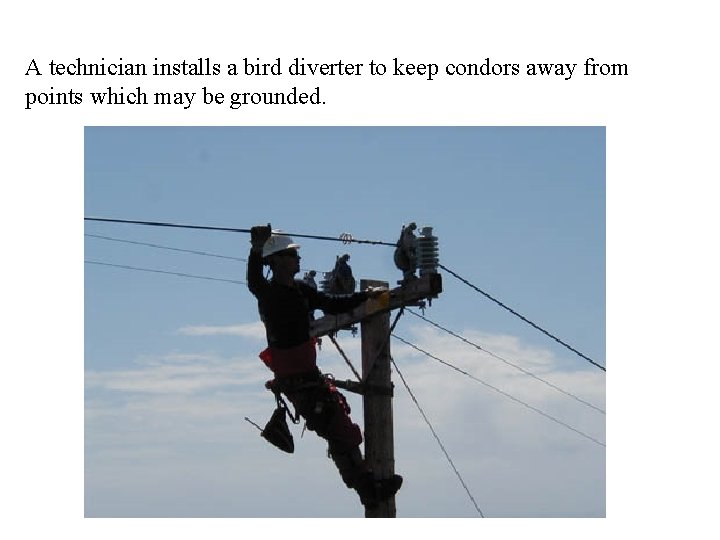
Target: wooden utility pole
[376,386]
[377,400]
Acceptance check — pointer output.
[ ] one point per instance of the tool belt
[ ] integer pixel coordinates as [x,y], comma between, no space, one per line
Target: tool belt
[296,383]
[314,397]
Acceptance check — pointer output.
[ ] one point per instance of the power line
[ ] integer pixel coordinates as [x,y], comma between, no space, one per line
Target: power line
[170,248]
[519,368]
[345,238]
[442,447]
[160,246]
[498,302]
[126,267]
[498,390]
[238,282]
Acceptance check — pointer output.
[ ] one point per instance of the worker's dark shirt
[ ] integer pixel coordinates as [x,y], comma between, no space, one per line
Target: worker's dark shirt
[286,310]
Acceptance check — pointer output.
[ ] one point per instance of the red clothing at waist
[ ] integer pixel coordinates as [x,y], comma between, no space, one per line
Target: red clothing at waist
[293,361]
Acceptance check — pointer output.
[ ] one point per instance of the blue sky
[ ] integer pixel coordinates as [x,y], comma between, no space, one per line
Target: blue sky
[171,366]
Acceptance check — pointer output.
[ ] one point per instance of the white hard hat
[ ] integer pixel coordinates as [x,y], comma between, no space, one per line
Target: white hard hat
[278,242]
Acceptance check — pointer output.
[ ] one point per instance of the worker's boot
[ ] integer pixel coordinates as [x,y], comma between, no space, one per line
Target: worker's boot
[388,487]
[357,476]
[372,492]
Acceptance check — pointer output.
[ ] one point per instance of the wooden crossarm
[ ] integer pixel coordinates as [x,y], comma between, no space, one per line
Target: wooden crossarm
[409,294]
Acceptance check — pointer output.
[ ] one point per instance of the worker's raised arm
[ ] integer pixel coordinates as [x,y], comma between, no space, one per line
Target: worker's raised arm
[255,279]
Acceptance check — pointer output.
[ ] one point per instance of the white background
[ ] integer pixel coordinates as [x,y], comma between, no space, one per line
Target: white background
[661,201]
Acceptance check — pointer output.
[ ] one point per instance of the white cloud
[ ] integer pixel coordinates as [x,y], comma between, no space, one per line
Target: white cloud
[509,399]
[254,330]
[178,374]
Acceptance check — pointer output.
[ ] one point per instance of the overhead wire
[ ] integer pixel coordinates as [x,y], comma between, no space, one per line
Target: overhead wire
[511,364]
[170,248]
[238,282]
[549,417]
[384,347]
[347,238]
[334,341]
[437,438]
[179,274]
[161,246]
[525,319]
[343,237]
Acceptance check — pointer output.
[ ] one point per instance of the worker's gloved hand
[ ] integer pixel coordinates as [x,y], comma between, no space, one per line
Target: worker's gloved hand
[377,298]
[259,235]
[375,292]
